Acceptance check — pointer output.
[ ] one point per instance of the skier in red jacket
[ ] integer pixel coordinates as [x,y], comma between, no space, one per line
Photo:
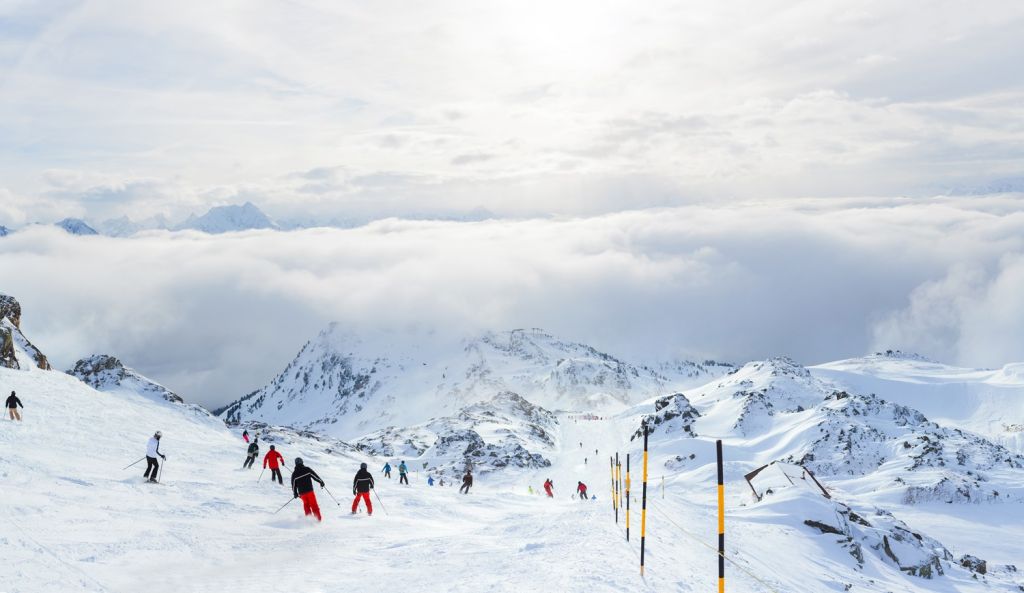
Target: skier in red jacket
[548,485]
[581,489]
[273,458]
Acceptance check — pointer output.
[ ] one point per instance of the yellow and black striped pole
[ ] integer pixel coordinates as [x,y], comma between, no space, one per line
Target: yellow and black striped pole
[721,520]
[615,503]
[643,508]
[627,497]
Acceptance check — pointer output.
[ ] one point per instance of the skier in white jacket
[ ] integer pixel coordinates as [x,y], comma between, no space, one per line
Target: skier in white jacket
[152,452]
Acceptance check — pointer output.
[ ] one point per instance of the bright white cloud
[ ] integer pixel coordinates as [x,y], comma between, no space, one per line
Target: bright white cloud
[216,316]
[519,107]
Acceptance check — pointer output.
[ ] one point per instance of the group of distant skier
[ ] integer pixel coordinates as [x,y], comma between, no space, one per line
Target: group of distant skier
[302,478]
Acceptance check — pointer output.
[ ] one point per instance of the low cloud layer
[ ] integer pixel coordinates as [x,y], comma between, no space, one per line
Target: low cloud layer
[216,316]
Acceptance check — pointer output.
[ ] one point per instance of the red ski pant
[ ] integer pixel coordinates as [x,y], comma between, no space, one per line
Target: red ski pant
[309,505]
[366,500]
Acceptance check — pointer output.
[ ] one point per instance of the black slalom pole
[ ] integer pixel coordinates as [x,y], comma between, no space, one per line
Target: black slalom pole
[643,508]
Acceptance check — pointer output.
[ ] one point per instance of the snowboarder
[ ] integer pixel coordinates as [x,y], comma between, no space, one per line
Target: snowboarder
[253,452]
[273,458]
[12,406]
[302,487]
[548,486]
[467,482]
[387,470]
[361,486]
[430,480]
[403,474]
[581,488]
[245,435]
[152,452]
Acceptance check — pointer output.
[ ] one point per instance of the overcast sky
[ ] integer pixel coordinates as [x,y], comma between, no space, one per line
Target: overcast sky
[337,109]
[704,179]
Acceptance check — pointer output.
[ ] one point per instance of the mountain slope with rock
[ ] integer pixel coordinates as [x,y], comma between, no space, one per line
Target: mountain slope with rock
[346,384]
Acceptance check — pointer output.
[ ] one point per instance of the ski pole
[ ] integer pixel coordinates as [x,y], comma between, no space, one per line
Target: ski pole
[332,496]
[380,502]
[160,477]
[261,476]
[284,505]
[131,464]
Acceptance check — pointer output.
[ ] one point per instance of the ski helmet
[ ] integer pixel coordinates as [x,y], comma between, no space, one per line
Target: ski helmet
[362,466]
[158,434]
[298,461]
[271,447]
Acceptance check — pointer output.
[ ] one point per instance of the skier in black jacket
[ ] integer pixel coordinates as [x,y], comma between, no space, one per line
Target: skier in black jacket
[12,407]
[361,486]
[254,451]
[302,487]
[467,482]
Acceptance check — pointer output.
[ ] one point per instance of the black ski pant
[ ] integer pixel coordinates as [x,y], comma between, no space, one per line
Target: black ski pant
[151,466]
[276,473]
[464,489]
[403,479]
[387,474]
[249,461]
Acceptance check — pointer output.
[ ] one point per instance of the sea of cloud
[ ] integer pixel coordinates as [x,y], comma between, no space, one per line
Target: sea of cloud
[215,316]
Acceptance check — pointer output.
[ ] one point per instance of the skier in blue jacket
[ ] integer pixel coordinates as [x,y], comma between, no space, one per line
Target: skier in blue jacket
[387,470]
[403,474]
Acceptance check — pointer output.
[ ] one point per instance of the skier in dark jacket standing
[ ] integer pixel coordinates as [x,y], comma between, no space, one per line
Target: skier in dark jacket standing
[361,486]
[302,487]
[152,452]
[12,407]
[467,482]
[253,453]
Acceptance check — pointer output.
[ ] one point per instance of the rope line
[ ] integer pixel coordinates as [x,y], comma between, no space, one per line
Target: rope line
[715,550]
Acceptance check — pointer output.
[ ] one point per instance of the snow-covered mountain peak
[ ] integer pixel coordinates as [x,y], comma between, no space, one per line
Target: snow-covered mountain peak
[226,219]
[106,373]
[76,226]
[349,383]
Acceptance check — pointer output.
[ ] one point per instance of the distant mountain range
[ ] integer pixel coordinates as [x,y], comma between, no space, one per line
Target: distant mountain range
[230,219]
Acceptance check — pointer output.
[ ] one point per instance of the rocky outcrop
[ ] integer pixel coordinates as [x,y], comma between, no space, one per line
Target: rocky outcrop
[12,341]
[11,309]
[106,373]
[672,414]
[506,431]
